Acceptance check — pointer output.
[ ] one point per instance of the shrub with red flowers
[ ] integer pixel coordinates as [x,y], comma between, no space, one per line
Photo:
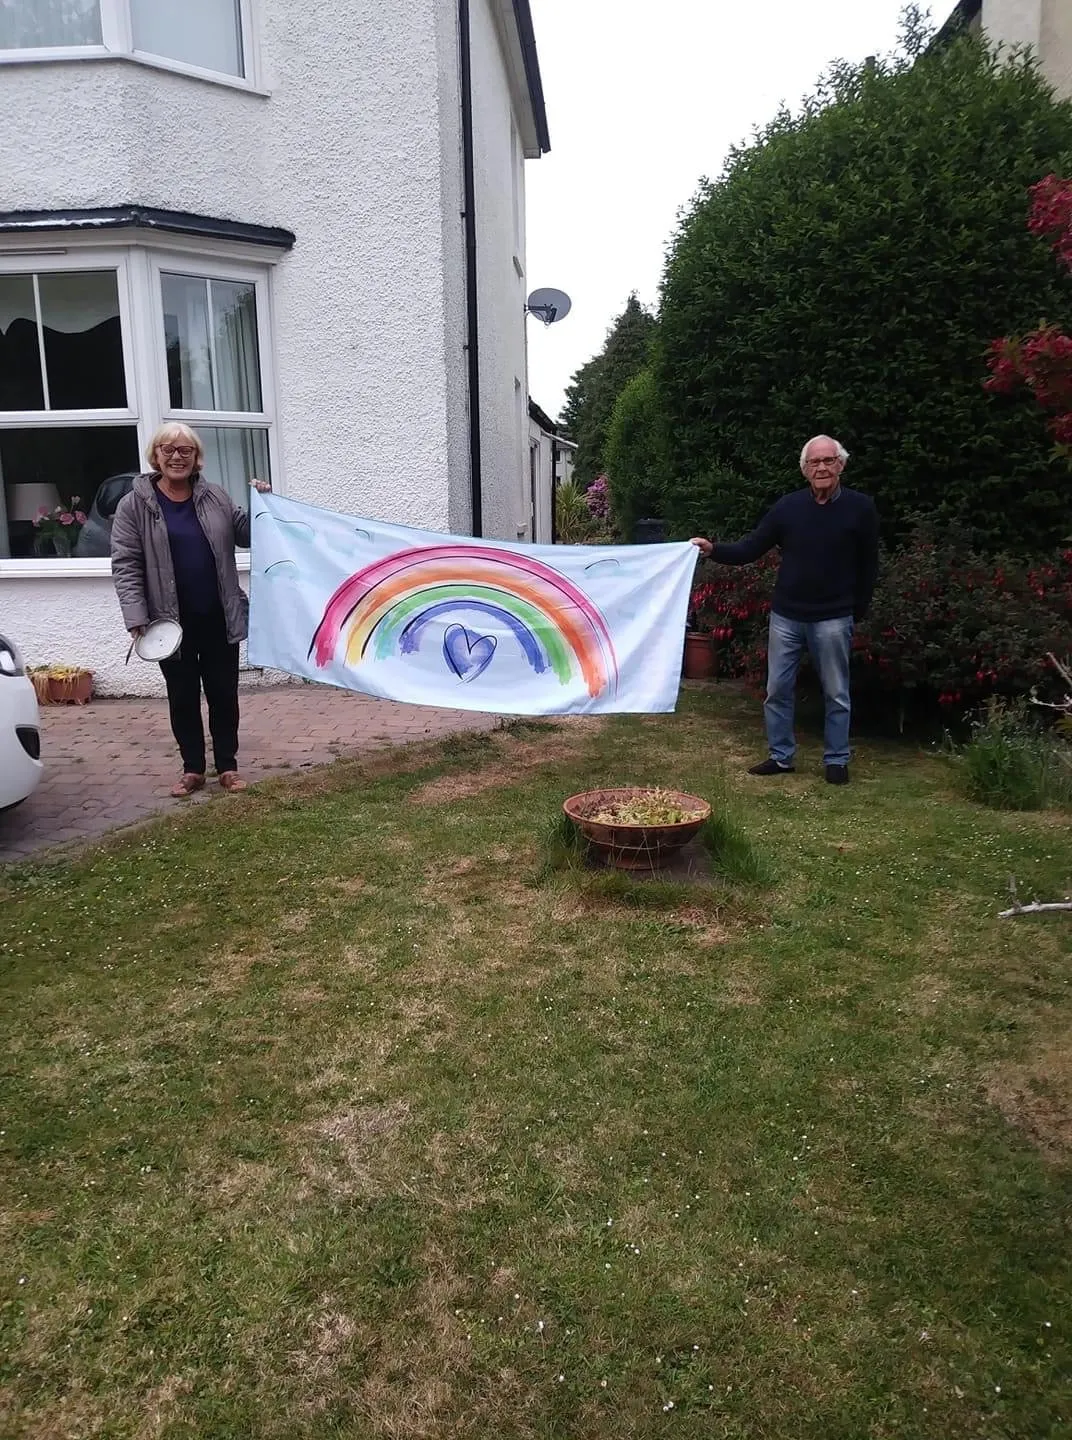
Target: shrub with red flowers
[958,627]
[946,623]
[733,602]
[1042,360]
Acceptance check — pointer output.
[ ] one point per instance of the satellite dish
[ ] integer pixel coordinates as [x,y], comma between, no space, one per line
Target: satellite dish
[548,305]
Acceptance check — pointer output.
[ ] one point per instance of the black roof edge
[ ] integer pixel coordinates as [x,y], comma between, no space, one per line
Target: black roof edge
[139,217]
[523,16]
[957,20]
[543,420]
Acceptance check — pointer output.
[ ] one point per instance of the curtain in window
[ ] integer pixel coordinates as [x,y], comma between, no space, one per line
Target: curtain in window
[207,33]
[33,24]
[189,342]
[238,367]
[233,457]
[83,340]
[211,335]
[82,335]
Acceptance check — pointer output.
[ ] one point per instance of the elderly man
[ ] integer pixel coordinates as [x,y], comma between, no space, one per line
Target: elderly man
[828,536]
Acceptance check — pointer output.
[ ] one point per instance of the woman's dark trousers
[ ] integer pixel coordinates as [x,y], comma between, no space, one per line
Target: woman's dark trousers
[205,659]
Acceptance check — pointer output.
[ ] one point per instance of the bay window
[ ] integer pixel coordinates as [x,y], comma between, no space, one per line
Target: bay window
[210,37]
[97,348]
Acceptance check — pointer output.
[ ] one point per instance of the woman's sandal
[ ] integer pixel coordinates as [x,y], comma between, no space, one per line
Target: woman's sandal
[231,780]
[187,785]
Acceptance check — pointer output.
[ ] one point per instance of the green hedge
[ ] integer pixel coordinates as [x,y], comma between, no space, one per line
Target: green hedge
[634,456]
[845,276]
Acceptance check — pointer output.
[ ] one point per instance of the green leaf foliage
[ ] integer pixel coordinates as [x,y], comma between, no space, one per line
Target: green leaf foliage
[595,387]
[635,453]
[844,276]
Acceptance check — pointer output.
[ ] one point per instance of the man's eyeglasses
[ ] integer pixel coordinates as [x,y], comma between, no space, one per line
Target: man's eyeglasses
[182,451]
[828,460]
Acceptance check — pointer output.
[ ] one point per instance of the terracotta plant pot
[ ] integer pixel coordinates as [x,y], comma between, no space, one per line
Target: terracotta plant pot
[70,689]
[634,847]
[699,659]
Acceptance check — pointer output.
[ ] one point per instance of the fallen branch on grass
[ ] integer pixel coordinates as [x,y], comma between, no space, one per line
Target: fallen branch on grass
[1034,908]
[1062,707]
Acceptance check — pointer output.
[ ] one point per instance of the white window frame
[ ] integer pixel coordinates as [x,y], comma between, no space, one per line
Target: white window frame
[66,264]
[204,269]
[117,31]
[139,261]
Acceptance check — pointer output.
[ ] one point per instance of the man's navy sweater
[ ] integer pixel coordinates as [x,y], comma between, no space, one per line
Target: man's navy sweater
[829,554]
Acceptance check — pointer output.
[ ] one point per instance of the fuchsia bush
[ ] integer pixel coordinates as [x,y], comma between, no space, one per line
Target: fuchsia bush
[1042,360]
[947,623]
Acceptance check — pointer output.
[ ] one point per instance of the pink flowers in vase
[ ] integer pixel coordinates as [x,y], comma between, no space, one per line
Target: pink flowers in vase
[59,528]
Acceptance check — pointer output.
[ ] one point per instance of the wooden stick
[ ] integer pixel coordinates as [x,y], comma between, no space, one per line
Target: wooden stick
[1034,908]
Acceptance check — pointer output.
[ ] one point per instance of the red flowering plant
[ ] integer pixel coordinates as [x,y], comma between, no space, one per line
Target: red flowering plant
[733,603]
[58,529]
[946,624]
[1042,360]
[957,627]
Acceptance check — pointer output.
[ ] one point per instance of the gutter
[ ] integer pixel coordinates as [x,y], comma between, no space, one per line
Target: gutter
[527,36]
[472,337]
[141,217]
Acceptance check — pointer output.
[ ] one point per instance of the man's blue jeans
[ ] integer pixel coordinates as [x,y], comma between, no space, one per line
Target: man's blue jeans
[829,642]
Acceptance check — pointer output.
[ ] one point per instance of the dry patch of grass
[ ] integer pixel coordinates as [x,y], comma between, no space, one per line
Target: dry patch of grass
[413,1395]
[512,759]
[360,1158]
[1036,1096]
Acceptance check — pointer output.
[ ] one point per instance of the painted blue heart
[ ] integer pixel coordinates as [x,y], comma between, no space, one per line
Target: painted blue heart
[467,654]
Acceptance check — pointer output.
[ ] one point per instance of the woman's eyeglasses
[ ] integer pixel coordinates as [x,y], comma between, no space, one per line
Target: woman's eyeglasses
[183,452]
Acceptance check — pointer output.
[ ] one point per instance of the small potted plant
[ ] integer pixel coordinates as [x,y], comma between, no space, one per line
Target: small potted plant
[699,658]
[62,684]
[58,530]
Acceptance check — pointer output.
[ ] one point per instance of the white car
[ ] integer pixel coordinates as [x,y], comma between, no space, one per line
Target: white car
[20,732]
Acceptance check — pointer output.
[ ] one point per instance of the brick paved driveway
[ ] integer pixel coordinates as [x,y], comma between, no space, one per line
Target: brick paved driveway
[112,762]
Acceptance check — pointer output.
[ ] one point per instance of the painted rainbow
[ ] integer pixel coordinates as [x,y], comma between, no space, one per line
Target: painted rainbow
[386,608]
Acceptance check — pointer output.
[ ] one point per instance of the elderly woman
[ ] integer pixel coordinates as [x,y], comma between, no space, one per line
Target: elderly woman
[173,558]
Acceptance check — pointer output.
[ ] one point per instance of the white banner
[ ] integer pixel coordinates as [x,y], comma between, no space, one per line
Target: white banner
[462,623]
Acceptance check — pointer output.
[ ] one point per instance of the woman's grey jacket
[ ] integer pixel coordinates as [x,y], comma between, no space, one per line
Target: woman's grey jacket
[141,556]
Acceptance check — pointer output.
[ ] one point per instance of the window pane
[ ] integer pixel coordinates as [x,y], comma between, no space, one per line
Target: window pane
[186,335]
[199,32]
[238,370]
[33,24]
[51,466]
[210,329]
[233,458]
[20,357]
[83,340]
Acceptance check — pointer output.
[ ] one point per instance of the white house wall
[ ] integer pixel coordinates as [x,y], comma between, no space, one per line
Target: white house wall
[541,464]
[345,153]
[1055,45]
[76,621]
[1045,25]
[500,212]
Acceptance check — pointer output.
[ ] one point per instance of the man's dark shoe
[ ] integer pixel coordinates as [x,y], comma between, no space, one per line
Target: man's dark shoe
[770,767]
[837,774]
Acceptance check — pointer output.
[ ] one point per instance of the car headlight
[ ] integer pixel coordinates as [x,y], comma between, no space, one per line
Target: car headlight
[10,659]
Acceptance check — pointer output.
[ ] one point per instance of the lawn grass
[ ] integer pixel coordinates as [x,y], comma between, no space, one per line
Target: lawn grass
[341,1109]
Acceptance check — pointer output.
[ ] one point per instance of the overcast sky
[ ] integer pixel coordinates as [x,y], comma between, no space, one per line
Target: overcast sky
[644,97]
